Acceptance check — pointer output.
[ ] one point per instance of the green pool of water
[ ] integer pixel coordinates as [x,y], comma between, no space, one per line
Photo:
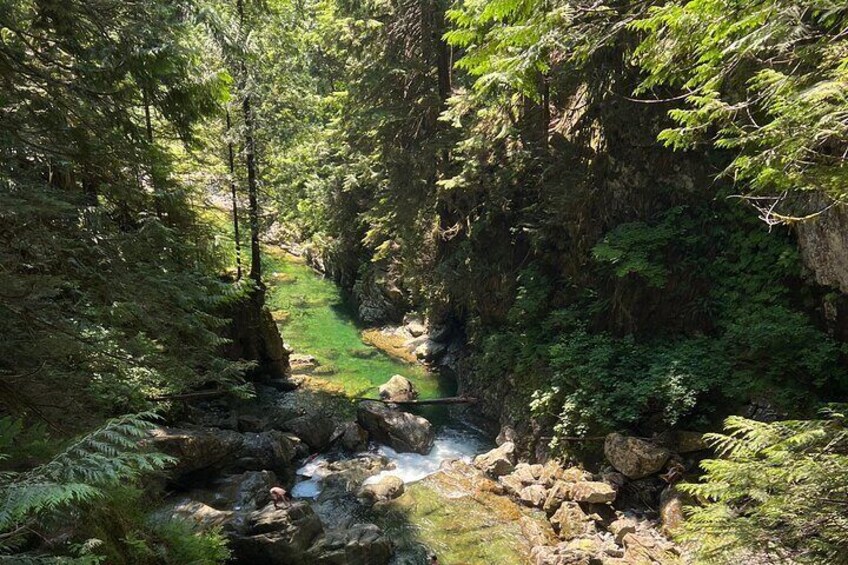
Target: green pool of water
[315,319]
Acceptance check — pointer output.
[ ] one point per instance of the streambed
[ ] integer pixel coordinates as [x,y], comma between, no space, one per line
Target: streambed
[440,511]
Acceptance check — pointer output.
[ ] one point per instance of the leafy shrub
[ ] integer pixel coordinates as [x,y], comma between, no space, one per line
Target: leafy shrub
[777,489]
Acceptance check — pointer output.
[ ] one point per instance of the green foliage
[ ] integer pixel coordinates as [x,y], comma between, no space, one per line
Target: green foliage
[776,491]
[768,83]
[76,477]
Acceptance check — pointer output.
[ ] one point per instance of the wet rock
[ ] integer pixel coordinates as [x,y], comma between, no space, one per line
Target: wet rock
[634,457]
[570,522]
[497,462]
[361,544]
[246,491]
[277,536]
[389,488]
[354,437]
[592,492]
[533,495]
[398,389]
[402,431]
[315,429]
[199,449]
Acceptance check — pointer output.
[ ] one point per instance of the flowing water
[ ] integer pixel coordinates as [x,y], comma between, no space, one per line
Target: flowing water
[438,512]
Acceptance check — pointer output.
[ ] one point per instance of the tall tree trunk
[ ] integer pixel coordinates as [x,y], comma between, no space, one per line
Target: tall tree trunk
[250,156]
[232,163]
[148,124]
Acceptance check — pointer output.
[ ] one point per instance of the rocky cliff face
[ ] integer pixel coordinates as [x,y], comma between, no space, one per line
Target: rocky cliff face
[823,242]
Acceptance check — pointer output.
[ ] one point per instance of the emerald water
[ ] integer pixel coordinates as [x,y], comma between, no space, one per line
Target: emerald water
[315,319]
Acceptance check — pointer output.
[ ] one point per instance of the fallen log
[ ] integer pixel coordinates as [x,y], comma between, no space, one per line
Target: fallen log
[188,395]
[448,400]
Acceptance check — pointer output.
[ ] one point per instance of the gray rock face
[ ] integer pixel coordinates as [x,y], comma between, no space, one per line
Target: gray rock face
[824,245]
[398,389]
[389,488]
[497,462]
[199,449]
[361,544]
[634,457]
[354,437]
[402,431]
[313,428]
[278,536]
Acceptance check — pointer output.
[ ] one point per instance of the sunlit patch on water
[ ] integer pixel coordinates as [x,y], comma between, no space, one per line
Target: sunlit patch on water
[450,444]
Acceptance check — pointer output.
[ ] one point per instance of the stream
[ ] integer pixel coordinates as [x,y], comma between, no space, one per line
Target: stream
[438,511]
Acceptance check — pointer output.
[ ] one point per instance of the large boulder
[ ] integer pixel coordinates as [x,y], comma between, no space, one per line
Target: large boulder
[201,449]
[314,428]
[497,462]
[282,536]
[354,437]
[570,522]
[634,457]
[389,487]
[361,544]
[592,492]
[398,389]
[402,431]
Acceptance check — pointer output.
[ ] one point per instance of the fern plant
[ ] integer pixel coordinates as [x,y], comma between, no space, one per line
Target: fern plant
[778,489]
[111,455]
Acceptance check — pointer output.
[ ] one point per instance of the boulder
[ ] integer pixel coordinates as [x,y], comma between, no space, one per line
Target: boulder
[354,437]
[415,327]
[199,449]
[592,492]
[558,493]
[314,428]
[528,474]
[644,548]
[196,448]
[360,544]
[533,495]
[430,350]
[389,488]
[634,457]
[251,423]
[511,484]
[398,389]
[241,492]
[497,462]
[402,431]
[200,515]
[282,535]
[621,527]
[570,522]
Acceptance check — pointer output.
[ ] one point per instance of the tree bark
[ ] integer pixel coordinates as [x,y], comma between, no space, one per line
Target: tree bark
[232,163]
[250,157]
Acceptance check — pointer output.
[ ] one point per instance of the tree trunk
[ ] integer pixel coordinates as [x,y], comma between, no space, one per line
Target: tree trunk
[232,164]
[250,156]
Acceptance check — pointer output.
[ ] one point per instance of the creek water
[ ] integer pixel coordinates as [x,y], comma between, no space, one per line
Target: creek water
[435,514]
